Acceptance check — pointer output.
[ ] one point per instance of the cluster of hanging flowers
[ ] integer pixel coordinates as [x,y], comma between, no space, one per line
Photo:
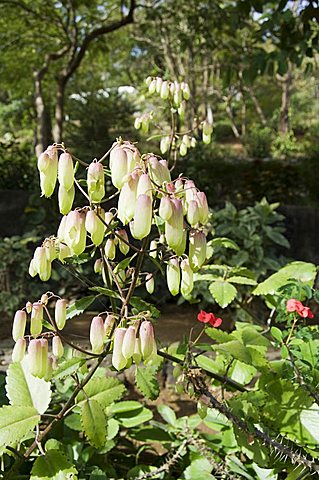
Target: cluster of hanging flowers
[28,335]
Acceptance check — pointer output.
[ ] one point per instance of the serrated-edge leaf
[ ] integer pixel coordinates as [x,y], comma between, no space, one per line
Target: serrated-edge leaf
[68,367]
[142,305]
[79,306]
[146,381]
[102,389]
[93,421]
[54,465]
[222,292]
[241,280]
[16,423]
[105,291]
[23,389]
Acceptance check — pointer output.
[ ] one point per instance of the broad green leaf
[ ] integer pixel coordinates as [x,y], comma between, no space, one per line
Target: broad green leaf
[123,264]
[223,242]
[93,421]
[143,306]
[310,420]
[219,335]
[73,422]
[222,292]
[53,466]
[146,381]
[276,333]
[125,406]
[301,271]
[113,427]
[241,372]
[68,367]
[105,291]
[236,349]
[103,390]
[241,280]
[151,434]
[167,413]
[79,306]
[98,474]
[23,389]
[207,364]
[199,469]
[135,417]
[264,473]
[16,422]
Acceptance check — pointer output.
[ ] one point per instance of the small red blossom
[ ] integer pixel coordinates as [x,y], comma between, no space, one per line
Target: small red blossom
[294,305]
[210,318]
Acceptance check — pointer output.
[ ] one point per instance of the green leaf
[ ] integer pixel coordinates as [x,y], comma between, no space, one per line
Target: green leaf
[79,306]
[23,389]
[241,372]
[222,292]
[125,406]
[284,352]
[102,389]
[146,381]
[123,264]
[199,468]
[310,420]
[143,306]
[302,271]
[167,414]
[113,427]
[73,422]
[53,466]
[241,280]
[276,333]
[93,421]
[16,423]
[68,367]
[223,242]
[105,291]
[135,417]
[219,335]
[236,349]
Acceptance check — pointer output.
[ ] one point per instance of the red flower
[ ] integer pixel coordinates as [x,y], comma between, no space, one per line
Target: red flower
[210,318]
[294,305]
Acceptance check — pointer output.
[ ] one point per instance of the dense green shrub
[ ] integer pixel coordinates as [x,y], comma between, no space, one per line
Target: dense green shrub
[286,146]
[258,142]
[17,165]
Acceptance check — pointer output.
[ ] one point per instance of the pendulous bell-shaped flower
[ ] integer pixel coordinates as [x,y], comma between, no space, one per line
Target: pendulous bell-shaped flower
[142,217]
[197,249]
[19,349]
[118,359]
[36,319]
[19,324]
[97,334]
[57,347]
[66,199]
[75,232]
[66,171]
[60,313]
[129,340]
[118,166]
[127,198]
[96,181]
[146,335]
[49,171]
[187,282]
[175,225]
[165,208]
[173,276]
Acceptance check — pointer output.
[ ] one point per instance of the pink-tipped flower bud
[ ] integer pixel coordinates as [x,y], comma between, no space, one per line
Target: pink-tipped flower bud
[98,265]
[44,298]
[118,166]
[203,207]
[180,250]
[149,283]
[60,313]
[66,199]
[197,250]
[147,339]
[28,307]
[110,249]
[61,230]
[48,176]
[144,186]
[165,208]
[148,81]
[64,252]
[40,260]
[173,276]
[18,351]
[43,162]
[153,249]
[124,247]
[108,325]
[187,283]
[159,83]
[96,181]
[186,91]
[95,226]
[175,225]
[133,157]
[97,334]
[44,357]
[193,213]
[152,87]
[164,144]
[66,171]
[57,347]
[118,359]
[137,355]
[36,319]
[142,217]
[50,249]
[75,232]
[190,190]
[165,90]
[128,345]
[19,324]
[127,199]
[158,170]
[35,357]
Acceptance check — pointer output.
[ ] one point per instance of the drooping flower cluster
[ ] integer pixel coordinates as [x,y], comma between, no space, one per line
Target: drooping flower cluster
[208,317]
[31,318]
[294,305]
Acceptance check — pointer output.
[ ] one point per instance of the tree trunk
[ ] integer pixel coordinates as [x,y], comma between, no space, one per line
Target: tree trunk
[257,106]
[286,84]
[42,137]
[59,110]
